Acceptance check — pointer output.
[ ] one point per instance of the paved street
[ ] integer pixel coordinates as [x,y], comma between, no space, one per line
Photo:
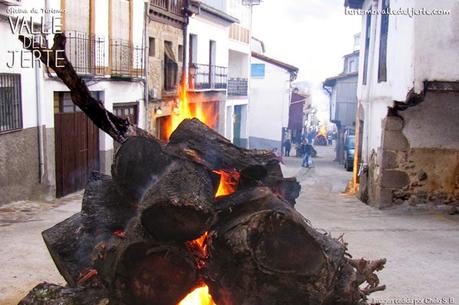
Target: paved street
[421,245]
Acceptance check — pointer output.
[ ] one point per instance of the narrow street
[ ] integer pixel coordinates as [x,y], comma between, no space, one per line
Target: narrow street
[421,245]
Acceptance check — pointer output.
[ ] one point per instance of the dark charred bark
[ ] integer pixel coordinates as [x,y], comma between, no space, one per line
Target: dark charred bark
[138,164]
[137,269]
[77,242]
[200,143]
[50,294]
[264,252]
[180,207]
[197,142]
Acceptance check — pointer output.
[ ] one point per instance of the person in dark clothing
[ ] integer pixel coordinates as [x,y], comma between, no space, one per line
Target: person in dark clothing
[308,152]
[287,147]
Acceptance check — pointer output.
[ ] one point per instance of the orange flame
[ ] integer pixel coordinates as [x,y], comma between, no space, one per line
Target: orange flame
[199,296]
[228,182]
[201,243]
[205,112]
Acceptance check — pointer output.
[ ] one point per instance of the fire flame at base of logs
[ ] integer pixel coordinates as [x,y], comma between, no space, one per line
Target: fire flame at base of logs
[229,181]
[199,296]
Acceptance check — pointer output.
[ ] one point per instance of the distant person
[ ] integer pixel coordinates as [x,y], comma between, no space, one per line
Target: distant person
[287,147]
[308,151]
[278,155]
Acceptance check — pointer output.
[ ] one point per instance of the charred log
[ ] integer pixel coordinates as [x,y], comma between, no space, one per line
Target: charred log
[138,165]
[77,242]
[180,207]
[50,294]
[197,142]
[137,269]
[264,252]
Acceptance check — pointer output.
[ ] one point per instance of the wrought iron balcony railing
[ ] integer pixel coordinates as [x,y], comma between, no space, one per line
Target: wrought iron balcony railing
[173,6]
[208,77]
[126,60]
[93,55]
[86,52]
[238,87]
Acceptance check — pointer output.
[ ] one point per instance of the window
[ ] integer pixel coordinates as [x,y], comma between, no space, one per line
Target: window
[382,66]
[193,49]
[10,102]
[170,67]
[351,66]
[258,70]
[152,47]
[367,47]
[127,111]
[63,102]
[180,53]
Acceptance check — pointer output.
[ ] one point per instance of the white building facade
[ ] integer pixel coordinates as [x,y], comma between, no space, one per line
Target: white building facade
[270,94]
[207,53]
[407,94]
[49,145]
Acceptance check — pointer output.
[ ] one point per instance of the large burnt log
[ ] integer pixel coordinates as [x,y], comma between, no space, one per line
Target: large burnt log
[138,165]
[138,269]
[262,251]
[76,243]
[180,207]
[194,140]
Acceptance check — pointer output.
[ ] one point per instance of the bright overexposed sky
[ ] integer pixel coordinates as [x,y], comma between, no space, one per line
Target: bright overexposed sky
[312,35]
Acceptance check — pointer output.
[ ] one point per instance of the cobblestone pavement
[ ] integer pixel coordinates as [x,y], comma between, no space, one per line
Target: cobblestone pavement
[420,243]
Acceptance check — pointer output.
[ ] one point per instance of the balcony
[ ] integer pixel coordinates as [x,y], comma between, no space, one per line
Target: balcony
[208,77]
[173,6]
[93,55]
[126,59]
[86,52]
[238,87]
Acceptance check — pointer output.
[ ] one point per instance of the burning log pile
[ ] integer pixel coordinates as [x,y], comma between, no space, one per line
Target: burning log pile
[196,217]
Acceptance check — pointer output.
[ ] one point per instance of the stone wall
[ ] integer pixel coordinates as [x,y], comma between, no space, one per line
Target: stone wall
[161,32]
[19,167]
[418,160]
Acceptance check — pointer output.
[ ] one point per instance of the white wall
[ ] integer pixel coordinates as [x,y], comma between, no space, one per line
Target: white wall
[10,42]
[437,43]
[269,103]
[207,30]
[420,48]
[238,64]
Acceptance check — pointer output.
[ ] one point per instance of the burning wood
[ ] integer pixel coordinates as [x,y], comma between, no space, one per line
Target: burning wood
[197,221]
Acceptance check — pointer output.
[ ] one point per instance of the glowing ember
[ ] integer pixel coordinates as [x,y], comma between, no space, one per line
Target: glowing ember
[228,182]
[200,296]
[87,276]
[201,243]
[205,112]
[119,233]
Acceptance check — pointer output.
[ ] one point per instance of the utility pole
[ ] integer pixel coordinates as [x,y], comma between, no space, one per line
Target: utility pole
[251,4]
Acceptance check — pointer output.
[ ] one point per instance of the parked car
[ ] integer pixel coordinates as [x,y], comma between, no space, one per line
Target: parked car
[349,149]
